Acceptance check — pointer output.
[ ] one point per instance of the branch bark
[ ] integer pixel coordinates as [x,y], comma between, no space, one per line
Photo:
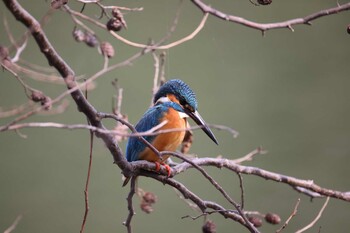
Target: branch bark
[95,118]
[67,73]
[267,26]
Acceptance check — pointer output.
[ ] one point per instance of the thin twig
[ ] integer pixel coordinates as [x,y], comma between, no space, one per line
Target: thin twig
[267,26]
[35,75]
[242,189]
[138,45]
[311,224]
[86,191]
[248,224]
[188,194]
[290,217]
[250,155]
[26,87]
[15,110]
[14,224]
[162,56]
[156,75]
[248,170]
[206,213]
[151,132]
[127,223]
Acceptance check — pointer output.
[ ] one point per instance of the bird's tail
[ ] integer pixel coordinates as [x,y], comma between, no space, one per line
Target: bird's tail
[125,180]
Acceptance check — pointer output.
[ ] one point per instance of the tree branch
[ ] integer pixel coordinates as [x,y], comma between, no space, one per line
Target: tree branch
[292,181]
[143,168]
[68,75]
[267,26]
[316,218]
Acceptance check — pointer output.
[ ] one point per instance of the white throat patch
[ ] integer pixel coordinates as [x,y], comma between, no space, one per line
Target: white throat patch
[183,115]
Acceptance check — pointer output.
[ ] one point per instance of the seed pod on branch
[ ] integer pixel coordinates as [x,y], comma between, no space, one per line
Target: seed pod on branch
[78,35]
[272,218]
[148,199]
[4,52]
[38,96]
[56,4]
[256,221]
[107,49]
[264,2]
[119,15]
[209,227]
[114,24]
[187,142]
[90,40]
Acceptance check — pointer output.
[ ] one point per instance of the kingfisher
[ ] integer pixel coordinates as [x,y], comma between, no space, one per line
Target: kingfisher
[174,102]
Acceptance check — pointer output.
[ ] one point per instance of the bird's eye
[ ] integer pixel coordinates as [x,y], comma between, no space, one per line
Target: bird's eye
[183,102]
[187,106]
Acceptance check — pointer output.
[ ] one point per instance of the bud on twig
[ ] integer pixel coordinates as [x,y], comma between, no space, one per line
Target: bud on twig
[78,35]
[209,227]
[148,199]
[4,52]
[264,2]
[272,218]
[119,15]
[146,207]
[38,96]
[90,40]
[114,24]
[256,221]
[107,49]
[187,142]
[56,4]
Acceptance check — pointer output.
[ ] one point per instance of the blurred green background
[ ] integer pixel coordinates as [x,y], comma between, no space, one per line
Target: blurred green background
[287,92]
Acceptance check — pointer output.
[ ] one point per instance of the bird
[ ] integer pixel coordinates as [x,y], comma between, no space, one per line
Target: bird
[174,103]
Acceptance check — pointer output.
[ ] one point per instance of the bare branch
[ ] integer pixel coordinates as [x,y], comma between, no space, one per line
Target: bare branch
[267,26]
[143,168]
[14,225]
[292,181]
[127,223]
[290,217]
[86,191]
[202,205]
[316,219]
[15,110]
[68,75]
[242,189]
[250,155]
[138,45]
[247,223]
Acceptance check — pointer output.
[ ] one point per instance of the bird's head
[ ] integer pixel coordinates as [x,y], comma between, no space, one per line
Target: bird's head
[181,94]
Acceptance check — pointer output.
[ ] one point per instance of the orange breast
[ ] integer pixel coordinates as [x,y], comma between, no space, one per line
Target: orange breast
[167,141]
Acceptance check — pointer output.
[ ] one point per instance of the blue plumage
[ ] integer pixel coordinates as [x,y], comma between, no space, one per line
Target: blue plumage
[179,97]
[151,118]
[181,90]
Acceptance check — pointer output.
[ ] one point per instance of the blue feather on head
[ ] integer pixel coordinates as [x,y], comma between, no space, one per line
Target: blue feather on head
[181,90]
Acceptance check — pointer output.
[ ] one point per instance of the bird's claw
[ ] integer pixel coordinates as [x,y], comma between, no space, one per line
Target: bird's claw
[166,166]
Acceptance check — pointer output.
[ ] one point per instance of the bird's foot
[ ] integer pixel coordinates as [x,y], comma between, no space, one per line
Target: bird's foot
[166,166]
[157,166]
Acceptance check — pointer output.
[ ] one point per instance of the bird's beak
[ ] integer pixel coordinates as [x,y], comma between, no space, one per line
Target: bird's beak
[199,120]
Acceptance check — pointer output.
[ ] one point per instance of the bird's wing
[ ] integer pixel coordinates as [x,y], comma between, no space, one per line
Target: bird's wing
[150,119]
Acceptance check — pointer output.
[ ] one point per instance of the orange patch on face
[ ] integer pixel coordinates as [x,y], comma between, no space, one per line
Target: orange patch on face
[173,98]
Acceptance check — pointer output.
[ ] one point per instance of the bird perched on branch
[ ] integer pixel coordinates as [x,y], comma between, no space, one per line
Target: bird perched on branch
[174,102]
